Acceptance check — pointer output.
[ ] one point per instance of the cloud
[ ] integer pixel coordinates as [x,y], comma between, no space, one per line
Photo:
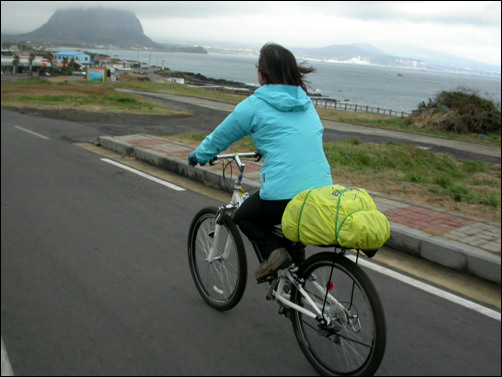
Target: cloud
[463,28]
[480,13]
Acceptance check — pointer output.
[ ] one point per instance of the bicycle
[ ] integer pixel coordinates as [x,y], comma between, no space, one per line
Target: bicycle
[337,315]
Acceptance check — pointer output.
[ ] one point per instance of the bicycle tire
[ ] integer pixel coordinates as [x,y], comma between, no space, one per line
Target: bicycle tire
[340,349]
[222,282]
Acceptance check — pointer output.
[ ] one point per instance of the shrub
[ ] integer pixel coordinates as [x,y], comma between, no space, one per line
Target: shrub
[461,111]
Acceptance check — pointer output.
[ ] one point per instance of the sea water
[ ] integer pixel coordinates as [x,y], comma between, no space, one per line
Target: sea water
[389,88]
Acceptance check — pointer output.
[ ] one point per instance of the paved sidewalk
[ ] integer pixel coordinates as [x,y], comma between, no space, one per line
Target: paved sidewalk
[453,240]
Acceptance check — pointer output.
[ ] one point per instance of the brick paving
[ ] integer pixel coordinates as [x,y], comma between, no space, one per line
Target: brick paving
[426,220]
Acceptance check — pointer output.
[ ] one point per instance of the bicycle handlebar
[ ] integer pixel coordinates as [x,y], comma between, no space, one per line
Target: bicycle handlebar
[235,157]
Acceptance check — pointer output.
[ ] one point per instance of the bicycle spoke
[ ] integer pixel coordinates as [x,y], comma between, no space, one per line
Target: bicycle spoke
[221,282]
[350,341]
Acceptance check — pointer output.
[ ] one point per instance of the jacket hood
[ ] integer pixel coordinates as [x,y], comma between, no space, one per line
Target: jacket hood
[284,97]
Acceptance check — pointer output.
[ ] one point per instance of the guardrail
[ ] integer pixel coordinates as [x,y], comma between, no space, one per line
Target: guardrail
[318,102]
[336,105]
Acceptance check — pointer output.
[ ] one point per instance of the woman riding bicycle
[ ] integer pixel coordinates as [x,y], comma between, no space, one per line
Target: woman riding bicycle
[287,132]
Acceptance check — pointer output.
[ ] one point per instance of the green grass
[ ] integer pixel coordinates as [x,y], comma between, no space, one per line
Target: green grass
[367,119]
[401,166]
[371,120]
[74,94]
[27,82]
[390,168]
[112,102]
[177,89]
[440,174]
[399,124]
[472,182]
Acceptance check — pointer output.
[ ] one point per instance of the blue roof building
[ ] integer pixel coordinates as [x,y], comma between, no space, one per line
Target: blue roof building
[67,56]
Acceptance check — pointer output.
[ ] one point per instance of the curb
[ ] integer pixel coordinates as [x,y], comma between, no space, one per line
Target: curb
[448,253]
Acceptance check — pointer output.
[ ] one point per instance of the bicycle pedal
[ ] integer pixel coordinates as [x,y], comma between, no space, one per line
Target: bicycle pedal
[273,286]
[266,279]
[262,280]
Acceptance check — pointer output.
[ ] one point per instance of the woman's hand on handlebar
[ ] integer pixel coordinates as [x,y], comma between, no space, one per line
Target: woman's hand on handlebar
[192,160]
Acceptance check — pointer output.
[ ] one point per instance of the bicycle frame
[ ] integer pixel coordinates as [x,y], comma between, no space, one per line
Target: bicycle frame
[239,195]
[282,297]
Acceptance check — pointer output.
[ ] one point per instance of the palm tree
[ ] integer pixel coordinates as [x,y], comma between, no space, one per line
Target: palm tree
[15,62]
[30,59]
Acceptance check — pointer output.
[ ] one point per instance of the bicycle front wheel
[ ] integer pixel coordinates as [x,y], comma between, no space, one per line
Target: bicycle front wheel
[221,282]
[353,342]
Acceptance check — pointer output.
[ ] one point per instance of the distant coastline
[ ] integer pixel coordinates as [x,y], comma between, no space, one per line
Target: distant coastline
[371,85]
[470,73]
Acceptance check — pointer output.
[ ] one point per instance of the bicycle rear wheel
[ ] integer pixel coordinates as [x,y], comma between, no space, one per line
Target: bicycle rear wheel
[221,282]
[354,342]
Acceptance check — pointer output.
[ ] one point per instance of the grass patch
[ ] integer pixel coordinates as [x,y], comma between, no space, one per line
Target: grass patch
[423,177]
[401,124]
[367,119]
[435,179]
[38,93]
[194,139]
[129,81]
[26,82]
[177,89]
[471,182]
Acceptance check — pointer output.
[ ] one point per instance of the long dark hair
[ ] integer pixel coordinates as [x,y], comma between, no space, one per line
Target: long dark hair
[279,66]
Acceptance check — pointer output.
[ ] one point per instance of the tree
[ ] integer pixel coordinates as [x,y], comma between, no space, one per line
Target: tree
[31,58]
[15,62]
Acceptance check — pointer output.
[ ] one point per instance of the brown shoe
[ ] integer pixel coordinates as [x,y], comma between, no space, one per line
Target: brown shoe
[278,259]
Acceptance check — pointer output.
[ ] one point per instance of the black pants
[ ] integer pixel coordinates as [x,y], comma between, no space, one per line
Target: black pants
[255,217]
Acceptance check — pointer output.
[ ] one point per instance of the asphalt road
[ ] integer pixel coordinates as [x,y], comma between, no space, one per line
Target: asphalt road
[208,114]
[95,280]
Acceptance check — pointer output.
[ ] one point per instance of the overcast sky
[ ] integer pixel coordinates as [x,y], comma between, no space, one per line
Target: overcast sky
[462,28]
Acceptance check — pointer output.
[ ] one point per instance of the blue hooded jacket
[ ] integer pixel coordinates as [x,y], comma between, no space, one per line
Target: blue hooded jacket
[286,130]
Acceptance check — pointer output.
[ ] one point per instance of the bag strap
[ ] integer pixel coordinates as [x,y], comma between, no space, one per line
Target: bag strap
[337,231]
[301,212]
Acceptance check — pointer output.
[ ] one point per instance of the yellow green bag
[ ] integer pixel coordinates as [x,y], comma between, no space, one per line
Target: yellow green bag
[335,215]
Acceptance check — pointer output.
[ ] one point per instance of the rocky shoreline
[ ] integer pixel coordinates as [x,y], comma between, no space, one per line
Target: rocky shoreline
[201,80]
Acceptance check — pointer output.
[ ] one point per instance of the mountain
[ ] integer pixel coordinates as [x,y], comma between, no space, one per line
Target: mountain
[84,27]
[444,62]
[359,53]
[94,27]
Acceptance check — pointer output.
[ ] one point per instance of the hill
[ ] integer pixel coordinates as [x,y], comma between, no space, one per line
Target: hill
[94,27]
[359,53]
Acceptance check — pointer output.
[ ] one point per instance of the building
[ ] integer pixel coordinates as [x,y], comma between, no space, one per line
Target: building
[64,57]
[26,62]
[178,80]
[113,63]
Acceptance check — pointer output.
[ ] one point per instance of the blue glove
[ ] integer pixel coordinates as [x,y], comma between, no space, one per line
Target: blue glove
[192,159]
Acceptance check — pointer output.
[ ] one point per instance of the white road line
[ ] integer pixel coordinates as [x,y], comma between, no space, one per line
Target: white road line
[31,132]
[144,175]
[428,288]
[6,367]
